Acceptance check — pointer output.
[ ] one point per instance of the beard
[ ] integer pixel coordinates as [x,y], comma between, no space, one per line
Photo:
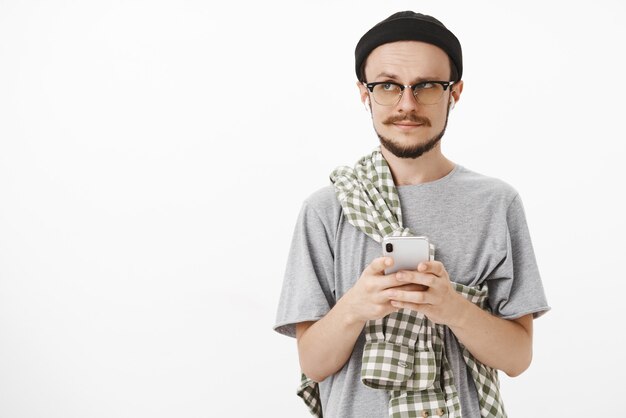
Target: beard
[411,151]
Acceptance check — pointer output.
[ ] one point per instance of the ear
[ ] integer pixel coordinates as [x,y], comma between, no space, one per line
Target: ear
[456,91]
[362,91]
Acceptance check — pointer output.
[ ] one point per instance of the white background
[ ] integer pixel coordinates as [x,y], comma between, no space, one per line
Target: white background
[154,156]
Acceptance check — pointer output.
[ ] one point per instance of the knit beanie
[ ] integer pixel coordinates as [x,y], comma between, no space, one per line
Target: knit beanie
[409,26]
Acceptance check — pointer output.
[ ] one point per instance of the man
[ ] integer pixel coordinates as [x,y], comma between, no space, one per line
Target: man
[473,305]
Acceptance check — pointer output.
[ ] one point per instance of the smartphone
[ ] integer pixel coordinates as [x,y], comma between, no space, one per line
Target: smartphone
[407,252]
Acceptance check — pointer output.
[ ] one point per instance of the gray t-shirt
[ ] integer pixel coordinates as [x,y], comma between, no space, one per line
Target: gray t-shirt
[478,226]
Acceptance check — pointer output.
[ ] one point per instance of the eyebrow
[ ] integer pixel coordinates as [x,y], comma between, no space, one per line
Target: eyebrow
[395,77]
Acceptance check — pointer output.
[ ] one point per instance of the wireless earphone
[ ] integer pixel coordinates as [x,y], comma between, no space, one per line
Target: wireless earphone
[452,103]
[367,104]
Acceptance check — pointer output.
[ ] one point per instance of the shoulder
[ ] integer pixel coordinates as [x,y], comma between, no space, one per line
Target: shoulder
[323,209]
[483,187]
[323,201]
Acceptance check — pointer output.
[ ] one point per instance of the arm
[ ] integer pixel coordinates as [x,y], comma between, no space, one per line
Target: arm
[500,343]
[325,346]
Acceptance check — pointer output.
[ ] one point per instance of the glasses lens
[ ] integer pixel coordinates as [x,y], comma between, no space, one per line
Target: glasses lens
[387,94]
[428,93]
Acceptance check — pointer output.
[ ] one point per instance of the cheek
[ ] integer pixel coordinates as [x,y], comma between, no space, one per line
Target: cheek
[378,116]
[438,116]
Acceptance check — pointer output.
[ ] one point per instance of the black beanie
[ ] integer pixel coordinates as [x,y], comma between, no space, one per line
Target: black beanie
[409,26]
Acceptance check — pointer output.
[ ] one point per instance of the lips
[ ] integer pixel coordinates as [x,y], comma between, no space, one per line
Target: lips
[407,124]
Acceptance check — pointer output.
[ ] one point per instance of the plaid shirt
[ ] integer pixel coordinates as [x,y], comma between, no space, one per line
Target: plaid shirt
[404,352]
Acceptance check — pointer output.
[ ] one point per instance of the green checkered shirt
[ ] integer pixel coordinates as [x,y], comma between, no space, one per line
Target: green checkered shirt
[404,351]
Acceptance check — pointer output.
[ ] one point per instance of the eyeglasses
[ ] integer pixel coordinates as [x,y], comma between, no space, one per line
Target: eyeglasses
[387,93]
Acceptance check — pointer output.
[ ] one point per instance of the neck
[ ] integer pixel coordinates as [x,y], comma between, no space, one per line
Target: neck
[429,167]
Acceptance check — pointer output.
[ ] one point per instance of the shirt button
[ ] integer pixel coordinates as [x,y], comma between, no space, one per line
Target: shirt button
[425,414]
[440,412]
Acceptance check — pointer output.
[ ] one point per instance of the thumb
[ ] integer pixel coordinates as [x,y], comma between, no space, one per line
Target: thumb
[378,265]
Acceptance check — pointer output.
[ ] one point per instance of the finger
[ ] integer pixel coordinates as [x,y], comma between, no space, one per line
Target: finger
[395,280]
[432,267]
[378,265]
[390,281]
[415,297]
[422,308]
[410,276]
[412,287]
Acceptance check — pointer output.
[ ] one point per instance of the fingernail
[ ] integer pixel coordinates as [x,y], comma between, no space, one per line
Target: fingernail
[400,277]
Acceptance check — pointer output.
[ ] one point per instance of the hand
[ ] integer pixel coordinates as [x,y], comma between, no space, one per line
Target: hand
[439,302]
[370,297]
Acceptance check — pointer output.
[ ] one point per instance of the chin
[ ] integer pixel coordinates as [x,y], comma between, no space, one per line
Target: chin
[405,146]
[404,139]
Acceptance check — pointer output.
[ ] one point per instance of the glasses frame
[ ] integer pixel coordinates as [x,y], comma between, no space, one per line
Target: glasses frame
[444,84]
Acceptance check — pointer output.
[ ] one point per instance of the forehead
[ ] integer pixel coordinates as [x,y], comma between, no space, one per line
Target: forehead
[408,59]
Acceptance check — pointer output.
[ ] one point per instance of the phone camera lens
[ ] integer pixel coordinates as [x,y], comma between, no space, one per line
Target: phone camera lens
[389,247]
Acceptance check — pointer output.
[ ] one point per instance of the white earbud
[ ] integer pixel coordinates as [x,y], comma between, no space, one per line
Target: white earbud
[367,104]
[452,103]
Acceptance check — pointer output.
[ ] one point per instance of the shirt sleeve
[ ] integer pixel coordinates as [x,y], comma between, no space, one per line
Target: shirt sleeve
[308,285]
[515,287]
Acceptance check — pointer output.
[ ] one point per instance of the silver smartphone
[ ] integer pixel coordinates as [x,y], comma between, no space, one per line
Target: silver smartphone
[407,252]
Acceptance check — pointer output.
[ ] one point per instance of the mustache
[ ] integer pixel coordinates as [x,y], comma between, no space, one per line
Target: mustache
[411,117]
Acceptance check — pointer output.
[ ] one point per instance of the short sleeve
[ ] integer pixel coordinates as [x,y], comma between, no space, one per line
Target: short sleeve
[515,287]
[308,285]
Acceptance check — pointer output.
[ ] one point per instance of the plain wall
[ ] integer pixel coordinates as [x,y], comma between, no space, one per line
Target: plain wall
[154,156]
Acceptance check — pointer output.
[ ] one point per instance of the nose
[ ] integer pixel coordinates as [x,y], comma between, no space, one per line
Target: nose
[407,102]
